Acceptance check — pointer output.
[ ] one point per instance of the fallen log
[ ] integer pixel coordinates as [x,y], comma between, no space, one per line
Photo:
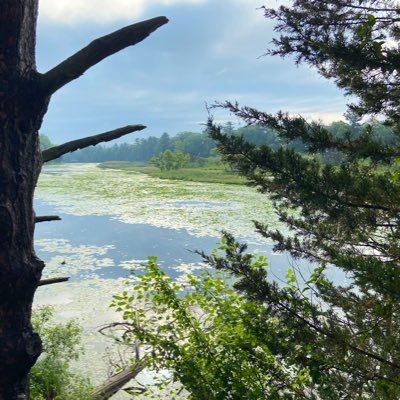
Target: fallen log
[117,381]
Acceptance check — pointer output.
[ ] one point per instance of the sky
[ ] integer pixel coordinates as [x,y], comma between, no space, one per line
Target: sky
[210,51]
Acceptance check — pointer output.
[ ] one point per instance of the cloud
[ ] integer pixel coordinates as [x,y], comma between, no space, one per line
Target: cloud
[210,52]
[75,11]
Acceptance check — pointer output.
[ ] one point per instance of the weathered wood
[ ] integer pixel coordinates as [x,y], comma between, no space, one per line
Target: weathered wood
[21,109]
[116,382]
[47,218]
[74,66]
[57,151]
[24,97]
[50,281]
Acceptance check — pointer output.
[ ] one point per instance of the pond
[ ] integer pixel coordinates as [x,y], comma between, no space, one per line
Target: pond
[113,220]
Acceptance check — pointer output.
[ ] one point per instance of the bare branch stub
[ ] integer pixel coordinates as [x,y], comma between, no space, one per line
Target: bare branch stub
[47,218]
[101,48]
[57,151]
[50,281]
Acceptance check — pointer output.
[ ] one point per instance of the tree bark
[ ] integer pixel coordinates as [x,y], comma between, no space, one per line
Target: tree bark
[74,66]
[57,151]
[22,107]
[24,97]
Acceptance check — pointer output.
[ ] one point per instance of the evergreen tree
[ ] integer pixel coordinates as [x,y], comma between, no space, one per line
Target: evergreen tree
[345,215]
[164,143]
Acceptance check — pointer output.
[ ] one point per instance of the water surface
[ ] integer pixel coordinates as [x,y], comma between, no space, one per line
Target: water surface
[113,220]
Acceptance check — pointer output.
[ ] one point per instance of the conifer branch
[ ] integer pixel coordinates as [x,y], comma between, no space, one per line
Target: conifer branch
[258,288]
[101,48]
[55,152]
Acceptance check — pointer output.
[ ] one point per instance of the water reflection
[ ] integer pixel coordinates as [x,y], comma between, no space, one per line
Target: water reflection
[115,247]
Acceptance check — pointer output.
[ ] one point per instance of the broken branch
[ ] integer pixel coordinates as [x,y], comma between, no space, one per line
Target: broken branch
[57,151]
[113,384]
[98,50]
[50,281]
[46,218]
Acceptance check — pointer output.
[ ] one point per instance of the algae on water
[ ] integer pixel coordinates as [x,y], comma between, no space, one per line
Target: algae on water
[203,209]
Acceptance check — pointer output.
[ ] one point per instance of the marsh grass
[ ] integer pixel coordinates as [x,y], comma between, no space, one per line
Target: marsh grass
[211,172]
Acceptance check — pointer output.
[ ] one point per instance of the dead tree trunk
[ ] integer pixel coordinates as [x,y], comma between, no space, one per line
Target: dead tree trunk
[22,105]
[24,96]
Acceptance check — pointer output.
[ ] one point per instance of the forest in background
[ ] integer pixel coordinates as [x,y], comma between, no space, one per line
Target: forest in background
[252,337]
[199,145]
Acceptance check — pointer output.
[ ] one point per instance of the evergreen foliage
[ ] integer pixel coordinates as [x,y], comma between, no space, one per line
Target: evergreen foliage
[344,215]
[353,43]
[199,145]
[342,212]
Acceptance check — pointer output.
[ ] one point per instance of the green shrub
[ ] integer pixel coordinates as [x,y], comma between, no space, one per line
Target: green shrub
[51,377]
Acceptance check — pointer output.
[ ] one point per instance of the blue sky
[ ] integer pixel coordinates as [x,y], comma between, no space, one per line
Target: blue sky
[211,50]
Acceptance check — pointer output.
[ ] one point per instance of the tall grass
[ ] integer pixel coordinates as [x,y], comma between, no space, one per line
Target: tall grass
[213,171]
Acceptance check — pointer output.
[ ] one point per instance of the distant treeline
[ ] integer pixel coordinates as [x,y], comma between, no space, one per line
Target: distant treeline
[199,145]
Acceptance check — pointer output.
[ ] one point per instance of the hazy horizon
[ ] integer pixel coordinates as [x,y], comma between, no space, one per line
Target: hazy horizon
[207,52]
